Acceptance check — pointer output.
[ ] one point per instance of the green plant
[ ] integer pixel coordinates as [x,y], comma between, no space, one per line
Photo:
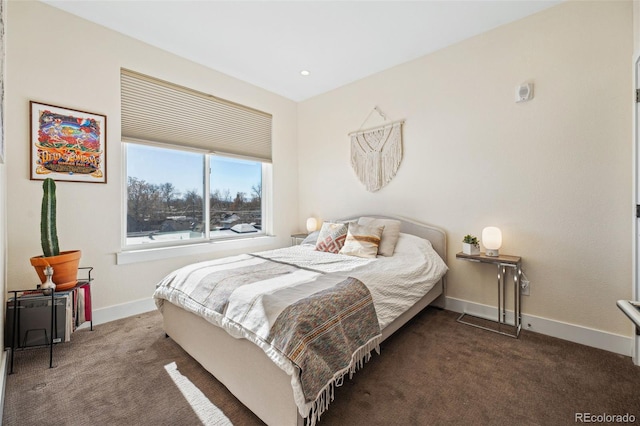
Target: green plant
[48,231]
[470,239]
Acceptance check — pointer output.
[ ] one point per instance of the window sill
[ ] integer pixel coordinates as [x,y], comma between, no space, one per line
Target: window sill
[159,253]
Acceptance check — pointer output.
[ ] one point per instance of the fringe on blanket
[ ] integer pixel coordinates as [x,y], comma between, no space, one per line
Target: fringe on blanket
[361,356]
[310,411]
[314,409]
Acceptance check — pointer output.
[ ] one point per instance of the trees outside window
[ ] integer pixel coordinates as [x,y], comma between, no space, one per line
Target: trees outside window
[166,202]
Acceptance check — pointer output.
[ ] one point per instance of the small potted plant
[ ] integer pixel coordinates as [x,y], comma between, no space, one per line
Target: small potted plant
[65,264]
[470,245]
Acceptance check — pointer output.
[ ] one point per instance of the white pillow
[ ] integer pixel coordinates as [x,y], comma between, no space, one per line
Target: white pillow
[312,238]
[389,235]
[362,240]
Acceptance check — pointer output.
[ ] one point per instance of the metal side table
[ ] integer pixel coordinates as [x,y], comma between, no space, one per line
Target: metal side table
[53,337]
[514,263]
[298,238]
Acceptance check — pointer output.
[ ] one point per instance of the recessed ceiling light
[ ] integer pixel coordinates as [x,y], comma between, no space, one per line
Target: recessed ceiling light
[304,73]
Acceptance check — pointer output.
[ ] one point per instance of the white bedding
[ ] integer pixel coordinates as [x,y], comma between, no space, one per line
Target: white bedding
[396,283]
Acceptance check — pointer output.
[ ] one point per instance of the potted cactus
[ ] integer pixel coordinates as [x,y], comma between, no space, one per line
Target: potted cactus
[65,264]
[470,245]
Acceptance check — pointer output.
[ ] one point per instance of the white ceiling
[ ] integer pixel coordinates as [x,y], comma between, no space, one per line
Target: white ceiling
[268,43]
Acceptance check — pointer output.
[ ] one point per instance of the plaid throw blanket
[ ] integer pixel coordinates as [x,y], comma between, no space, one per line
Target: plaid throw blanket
[316,327]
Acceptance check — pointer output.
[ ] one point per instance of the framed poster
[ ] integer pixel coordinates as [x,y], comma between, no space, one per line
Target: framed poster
[67,144]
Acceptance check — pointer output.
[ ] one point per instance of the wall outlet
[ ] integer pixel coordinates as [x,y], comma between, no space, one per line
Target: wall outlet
[524,287]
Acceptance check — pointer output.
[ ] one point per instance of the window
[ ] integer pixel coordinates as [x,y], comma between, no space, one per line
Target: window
[235,196]
[166,202]
[194,162]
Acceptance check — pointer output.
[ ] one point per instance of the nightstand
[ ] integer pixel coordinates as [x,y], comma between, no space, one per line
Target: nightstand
[502,262]
[28,309]
[296,239]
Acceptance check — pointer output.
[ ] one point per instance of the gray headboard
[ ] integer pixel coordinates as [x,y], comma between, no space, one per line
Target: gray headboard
[434,234]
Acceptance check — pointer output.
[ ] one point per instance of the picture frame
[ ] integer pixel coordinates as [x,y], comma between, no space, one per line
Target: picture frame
[67,144]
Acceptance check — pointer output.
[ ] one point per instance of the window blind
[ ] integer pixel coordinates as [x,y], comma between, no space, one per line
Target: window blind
[158,111]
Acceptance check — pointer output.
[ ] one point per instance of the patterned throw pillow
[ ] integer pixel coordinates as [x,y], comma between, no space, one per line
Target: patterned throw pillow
[332,236]
[362,240]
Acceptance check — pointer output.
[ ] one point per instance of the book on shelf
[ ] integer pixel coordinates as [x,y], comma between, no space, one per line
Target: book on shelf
[73,308]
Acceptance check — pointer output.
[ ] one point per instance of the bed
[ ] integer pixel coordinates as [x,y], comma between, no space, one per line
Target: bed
[249,369]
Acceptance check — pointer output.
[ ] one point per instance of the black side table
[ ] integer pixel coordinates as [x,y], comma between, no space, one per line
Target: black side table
[24,294]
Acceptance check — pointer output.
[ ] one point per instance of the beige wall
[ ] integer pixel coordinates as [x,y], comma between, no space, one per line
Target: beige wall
[555,173]
[636,27]
[3,228]
[57,58]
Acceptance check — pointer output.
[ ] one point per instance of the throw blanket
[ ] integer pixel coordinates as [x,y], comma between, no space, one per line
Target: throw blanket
[316,327]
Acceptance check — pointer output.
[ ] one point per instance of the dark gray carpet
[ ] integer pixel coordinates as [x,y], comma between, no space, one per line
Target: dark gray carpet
[434,371]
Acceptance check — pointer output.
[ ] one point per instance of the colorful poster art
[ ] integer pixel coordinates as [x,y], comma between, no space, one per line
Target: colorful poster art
[67,145]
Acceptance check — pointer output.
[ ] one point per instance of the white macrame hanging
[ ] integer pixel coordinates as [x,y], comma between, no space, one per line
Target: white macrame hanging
[376,153]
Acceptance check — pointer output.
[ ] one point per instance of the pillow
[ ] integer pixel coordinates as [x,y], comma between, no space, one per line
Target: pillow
[362,240]
[331,237]
[389,235]
[347,221]
[312,238]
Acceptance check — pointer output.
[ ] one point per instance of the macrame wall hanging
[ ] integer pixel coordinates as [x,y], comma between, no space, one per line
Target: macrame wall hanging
[376,153]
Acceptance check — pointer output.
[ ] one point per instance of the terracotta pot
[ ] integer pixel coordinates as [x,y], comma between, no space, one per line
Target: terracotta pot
[65,268]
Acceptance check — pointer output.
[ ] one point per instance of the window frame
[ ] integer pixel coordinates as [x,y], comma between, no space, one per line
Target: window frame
[207,240]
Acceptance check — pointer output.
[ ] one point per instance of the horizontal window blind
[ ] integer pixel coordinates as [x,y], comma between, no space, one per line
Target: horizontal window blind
[157,111]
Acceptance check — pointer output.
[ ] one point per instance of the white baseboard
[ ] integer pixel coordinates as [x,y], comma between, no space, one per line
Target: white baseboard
[616,343]
[115,312]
